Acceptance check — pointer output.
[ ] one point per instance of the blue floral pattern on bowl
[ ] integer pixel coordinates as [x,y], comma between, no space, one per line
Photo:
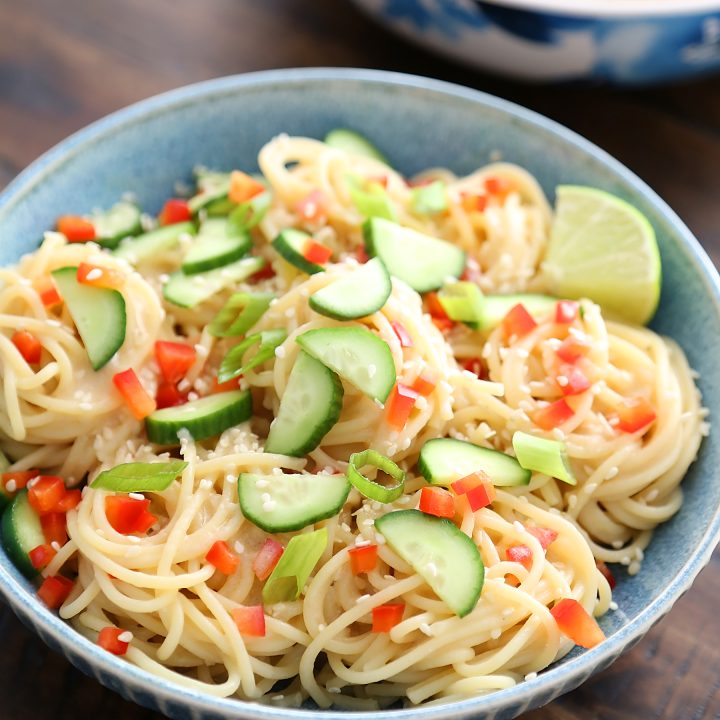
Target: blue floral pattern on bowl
[548,45]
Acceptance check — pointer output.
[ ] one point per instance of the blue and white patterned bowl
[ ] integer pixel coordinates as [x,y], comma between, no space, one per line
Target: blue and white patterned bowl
[417,123]
[620,41]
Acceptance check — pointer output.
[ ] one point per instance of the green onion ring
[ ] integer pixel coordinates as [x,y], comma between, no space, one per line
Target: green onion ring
[370,488]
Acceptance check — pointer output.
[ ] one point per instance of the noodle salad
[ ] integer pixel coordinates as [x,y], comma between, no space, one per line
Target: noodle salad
[328,433]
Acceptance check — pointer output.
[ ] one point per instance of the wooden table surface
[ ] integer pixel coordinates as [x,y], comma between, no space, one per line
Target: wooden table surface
[65,64]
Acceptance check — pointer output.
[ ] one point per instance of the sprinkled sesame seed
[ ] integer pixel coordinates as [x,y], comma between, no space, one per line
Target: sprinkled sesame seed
[524,389]
[321,627]
[522,353]
[230,478]
[201,350]
[184,385]
[531,676]
[94,274]
[334,690]
[371,370]
[360,541]
[625,560]
[262,483]
[562,380]
[368,522]
[432,569]
[266,497]
[55,545]
[239,547]
[11,486]
[345,527]
[269,506]
[280,351]
[496,633]
[613,605]
[125,637]
[136,496]
[558,433]
[206,484]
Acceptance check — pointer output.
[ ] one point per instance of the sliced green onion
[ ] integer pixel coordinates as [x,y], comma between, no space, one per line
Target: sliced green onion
[430,199]
[249,213]
[371,199]
[232,365]
[294,567]
[462,301]
[544,456]
[139,477]
[239,314]
[370,488]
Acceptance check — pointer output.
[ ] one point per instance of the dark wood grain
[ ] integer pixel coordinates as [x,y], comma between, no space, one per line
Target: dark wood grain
[64,64]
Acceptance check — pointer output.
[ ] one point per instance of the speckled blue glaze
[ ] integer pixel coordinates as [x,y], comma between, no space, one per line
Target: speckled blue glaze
[560,40]
[417,123]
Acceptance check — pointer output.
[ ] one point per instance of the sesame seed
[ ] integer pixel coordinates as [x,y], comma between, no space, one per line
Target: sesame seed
[360,541]
[266,497]
[368,522]
[269,506]
[184,385]
[11,486]
[192,396]
[558,434]
[524,389]
[262,483]
[206,484]
[136,496]
[230,478]
[432,569]
[55,545]
[613,605]
[321,627]
[496,633]
[280,351]
[125,637]
[625,560]
[522,353]
[371,370]
[94,274]
[562,381]
[334,690]
[531,676]
[239,547]
[345,527]
[201,350]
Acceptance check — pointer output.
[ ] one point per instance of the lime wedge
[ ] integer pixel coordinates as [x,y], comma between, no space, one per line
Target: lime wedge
[603,249]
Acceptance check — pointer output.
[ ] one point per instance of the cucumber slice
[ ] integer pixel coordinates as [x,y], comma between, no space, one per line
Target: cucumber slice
[290,244]
[21,533]
[496,307]
[444,460]
[423,262]
[212,186]
[353,142]
[355,354]
[203,418]
[98,314]
[309,407]
[362,292]
[190,290]
[221,207]
[146,246]
[283,503]
[445,557]
[216,244]
[120,221]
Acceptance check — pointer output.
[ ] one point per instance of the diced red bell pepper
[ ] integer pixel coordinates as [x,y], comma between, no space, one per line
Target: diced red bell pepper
[399,405]
[267,558]
[243,187]
[574,621]
[386,617]
[572,349]
[571,380]
[76,228]
[109,639]
[477,488]
[250,620]
[174,359]
[45,493]
[55,590]
[50,296]
[128,515]
[634,414]
[518,322]
[477,366]
[545,536]
[552,415]
[313,207]
[566,311]
[168,395]
[54,527]
[175,211]
[316,252]
[605,570]
[471,202]
[425,383]
[361,255]
[437,501]
[97,276]
[218,387]
[18,479]
[498,185]
[28,346]
[134,394]
[402,334]
[41,556]
[69,501]
[521,554]
[266,273]
[437,311]
[224,559]
[363,558]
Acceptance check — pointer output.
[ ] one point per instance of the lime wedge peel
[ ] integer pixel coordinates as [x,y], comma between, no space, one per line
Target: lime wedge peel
[604,249]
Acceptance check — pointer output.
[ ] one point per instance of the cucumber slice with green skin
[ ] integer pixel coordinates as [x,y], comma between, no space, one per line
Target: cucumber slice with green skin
[221,207]
[98,313]
[496,307]
[190,290]
[423,262]
[444,556]
[309,407]
[355,354]
[5,496]
[216,244]
[353,142]
[444,460]
[120,221]
[290,244]
[294,502]
[203,418]
[146,246]
[215,186]
[362,292]
[21,533]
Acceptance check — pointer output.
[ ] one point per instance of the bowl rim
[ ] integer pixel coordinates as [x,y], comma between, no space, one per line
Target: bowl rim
[550,682]
[610,9]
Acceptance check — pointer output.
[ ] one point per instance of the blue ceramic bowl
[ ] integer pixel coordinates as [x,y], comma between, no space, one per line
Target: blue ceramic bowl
[620,41]
[418,123]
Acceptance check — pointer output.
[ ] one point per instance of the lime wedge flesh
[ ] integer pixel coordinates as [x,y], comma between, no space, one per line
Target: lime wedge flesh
[603,249]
